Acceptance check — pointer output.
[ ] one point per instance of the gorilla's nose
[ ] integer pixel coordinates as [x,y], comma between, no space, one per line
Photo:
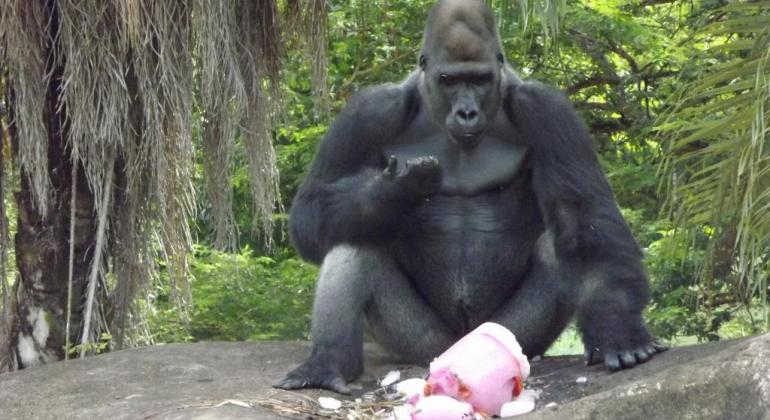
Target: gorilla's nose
[468,117]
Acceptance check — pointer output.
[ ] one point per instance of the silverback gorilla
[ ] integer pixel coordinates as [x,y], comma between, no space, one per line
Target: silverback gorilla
[459,196]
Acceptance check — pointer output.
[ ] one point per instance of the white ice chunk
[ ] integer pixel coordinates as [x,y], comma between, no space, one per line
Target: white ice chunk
[529,394]
[403,412]
[517,408]
[329,403]
[392,377]
[411,387]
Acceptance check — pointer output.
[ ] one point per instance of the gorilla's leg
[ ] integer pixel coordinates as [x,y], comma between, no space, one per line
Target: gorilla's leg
[354,283]
[608,309]
[544,302]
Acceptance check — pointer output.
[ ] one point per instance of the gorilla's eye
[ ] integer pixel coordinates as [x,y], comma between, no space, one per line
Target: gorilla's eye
[481,79]
[449,80]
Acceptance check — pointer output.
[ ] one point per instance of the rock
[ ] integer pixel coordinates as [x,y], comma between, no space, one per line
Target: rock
[729,379]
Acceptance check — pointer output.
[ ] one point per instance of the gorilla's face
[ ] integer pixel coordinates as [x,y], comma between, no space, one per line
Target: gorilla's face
[463,96]
[462,66]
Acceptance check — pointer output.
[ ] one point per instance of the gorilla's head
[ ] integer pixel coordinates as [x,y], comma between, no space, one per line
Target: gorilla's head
[461,61]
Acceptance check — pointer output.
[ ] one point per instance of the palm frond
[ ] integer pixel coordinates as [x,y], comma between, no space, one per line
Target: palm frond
[548,12]
[127,72]
[717,169]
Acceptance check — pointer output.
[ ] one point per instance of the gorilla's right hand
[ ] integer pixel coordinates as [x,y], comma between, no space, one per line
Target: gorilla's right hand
[316,372]
[421,176]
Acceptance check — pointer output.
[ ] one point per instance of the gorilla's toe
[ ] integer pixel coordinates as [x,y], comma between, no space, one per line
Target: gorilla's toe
[612,362]
[628,359]
[337,385]
[642,355]
[593,356]
[290,383]
[625,359]
[312,374]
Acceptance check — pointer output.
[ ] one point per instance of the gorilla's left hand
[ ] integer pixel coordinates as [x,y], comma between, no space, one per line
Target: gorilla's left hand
[624,350]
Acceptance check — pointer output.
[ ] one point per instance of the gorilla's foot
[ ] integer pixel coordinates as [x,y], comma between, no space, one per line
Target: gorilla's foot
[618,353]
[317,371]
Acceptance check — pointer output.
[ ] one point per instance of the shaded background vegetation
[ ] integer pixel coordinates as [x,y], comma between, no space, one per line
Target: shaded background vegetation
[674,92]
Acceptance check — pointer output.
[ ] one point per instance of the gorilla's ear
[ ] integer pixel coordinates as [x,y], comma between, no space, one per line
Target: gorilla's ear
[500,58]
[423,61]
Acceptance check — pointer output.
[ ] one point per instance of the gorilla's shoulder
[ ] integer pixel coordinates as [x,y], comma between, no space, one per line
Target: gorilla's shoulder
[390,105]
[532,90]
[533,95]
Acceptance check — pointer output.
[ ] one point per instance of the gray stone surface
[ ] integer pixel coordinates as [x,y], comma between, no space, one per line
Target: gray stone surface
[722,380]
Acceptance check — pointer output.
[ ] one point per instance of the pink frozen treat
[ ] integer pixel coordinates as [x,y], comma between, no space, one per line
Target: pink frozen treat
[485,368]
[440,407]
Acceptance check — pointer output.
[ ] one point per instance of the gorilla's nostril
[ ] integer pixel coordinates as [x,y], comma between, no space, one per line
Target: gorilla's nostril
[469,114]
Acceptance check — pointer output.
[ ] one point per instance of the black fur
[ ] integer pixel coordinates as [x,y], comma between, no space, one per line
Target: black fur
[459,196]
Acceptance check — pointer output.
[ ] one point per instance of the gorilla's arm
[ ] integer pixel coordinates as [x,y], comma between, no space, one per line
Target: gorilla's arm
[591,236]
[347,196]
[572,192]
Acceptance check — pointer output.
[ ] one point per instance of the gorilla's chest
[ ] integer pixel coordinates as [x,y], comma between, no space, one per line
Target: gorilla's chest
[493,163]
[466,248]
[467,254]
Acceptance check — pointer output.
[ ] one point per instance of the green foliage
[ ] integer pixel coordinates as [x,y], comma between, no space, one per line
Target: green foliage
[101,346]
[296,148]
[569,342]
[621,62]
[238,297]
[717,167]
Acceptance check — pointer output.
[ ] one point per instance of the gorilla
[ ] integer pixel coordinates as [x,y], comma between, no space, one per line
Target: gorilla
[459,196]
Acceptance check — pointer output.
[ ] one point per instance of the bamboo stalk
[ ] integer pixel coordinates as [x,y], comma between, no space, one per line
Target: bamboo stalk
[71,262]
[96,263]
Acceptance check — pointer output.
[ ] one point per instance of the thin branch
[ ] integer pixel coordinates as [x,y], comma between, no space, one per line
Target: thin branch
[596,49]
[3,232]
[609,126]
[3,252]
[71,269]
[605,106]
[617,49]
[371,69]
[97,261]
[595,80]
[655,2]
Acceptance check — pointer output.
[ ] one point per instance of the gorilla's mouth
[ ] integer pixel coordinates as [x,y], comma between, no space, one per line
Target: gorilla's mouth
[466,140]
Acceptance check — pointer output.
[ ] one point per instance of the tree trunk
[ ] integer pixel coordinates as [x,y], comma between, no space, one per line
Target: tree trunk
[42,245]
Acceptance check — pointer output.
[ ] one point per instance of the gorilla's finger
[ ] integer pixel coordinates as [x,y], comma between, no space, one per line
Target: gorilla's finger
[612,361]
[642,355]
[659,347]
[592,357]
[627,359]
[414,162]
[427,162]
[390,170]
[337,385]
[430,161]
[290,383]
